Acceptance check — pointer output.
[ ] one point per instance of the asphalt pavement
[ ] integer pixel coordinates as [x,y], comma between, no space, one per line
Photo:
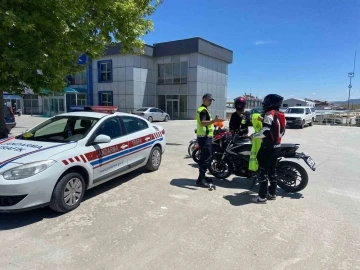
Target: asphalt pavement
[161,220]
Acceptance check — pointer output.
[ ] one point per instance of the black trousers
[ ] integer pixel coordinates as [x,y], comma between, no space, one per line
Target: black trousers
[205,144]
[267,159]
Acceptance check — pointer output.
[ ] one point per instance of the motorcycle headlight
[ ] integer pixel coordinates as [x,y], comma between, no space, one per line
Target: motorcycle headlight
[27,170]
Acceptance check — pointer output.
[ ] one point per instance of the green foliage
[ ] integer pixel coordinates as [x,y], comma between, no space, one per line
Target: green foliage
[41,41]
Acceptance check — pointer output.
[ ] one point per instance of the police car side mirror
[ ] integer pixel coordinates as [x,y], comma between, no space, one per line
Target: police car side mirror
[102,139]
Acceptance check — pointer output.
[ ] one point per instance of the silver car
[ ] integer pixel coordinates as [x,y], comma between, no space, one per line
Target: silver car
[152,114]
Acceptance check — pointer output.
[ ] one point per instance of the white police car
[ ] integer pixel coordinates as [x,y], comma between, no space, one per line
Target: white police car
[56,161]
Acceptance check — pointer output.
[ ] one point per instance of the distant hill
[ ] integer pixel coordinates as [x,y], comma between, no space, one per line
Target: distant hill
[355,101]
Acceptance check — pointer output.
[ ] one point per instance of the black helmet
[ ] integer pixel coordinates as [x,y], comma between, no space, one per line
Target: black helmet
[240,103]
[272,102]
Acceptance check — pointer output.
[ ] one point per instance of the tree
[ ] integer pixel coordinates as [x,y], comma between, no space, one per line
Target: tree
[41,41]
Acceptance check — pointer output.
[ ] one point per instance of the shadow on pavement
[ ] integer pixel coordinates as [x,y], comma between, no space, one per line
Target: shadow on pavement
[194,165]
[184,183]
[9,221]
[239,199]
[240,183]
[176,144]
[284,194]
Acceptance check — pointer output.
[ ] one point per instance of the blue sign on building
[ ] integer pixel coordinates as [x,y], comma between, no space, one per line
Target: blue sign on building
[82,59]
[9,96]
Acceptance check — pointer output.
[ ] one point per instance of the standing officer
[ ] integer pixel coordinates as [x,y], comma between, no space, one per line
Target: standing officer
[205,132]
[274,123]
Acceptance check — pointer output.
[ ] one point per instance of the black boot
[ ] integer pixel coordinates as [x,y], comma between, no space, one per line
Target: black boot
[209,180]
[202,183]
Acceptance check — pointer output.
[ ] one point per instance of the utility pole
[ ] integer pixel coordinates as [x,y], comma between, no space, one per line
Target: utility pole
[351,75]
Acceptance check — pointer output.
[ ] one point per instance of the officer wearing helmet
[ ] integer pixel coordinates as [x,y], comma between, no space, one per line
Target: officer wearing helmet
[240,120]
[272,132]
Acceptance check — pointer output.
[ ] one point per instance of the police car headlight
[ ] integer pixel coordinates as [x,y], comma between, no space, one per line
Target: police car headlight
[27,170]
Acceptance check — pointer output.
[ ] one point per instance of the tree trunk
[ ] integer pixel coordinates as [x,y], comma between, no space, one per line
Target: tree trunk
[3,130]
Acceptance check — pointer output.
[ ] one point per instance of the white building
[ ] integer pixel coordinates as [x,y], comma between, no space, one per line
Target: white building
[292,102]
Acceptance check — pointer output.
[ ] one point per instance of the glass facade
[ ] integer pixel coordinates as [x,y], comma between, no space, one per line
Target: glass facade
[175,105]
[172,73]
[31,104]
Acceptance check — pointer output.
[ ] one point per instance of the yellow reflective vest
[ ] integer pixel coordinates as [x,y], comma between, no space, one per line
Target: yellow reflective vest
[202,131]
[256,143]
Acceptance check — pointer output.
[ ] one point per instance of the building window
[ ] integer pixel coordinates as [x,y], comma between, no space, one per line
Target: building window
[105,98]
[183,72]
[285,105]
[172,73]
[298,105]
[31,104]
[176,73]
[105,71]
[81,99]
[168,75]
[78,79]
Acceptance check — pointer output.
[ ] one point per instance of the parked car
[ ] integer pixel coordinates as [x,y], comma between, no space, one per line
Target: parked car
[152,114]
[299,116]
[9,118]
[55,162]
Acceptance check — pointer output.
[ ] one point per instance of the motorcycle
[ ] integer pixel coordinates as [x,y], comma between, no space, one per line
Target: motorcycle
[192,145]
[234,156]
[218,134]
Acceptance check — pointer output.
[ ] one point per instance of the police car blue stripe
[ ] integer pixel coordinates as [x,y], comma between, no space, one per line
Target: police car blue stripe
[105,159]
[122,153]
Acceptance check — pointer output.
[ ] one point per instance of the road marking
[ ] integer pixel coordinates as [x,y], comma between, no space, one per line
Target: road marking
[344,193]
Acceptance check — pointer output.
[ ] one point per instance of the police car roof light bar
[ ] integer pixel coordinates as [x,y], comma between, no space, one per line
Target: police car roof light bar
[102,109]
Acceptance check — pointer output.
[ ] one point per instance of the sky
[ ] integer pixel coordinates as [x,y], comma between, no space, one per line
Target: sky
[295,48]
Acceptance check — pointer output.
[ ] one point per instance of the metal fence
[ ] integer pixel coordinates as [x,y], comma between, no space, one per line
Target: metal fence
[339,119]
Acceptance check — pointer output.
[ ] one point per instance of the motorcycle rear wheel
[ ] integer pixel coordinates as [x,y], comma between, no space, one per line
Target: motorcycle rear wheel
[191,148]
[221,169]
[196,155]
[288,176]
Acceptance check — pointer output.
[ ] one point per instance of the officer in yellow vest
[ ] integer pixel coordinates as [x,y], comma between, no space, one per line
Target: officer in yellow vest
[256,143]
[205,132]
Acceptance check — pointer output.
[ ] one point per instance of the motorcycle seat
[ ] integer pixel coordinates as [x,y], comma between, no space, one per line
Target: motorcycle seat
[288,145]
[242,141]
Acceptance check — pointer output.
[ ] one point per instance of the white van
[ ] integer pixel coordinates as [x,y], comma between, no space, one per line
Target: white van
[299,116]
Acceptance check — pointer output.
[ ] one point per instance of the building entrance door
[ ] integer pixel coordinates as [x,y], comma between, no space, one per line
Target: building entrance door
[172,108]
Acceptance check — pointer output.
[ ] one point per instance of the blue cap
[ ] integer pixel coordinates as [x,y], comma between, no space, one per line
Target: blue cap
[208,96]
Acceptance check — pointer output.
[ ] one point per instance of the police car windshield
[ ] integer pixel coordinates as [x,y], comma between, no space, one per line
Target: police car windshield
[295,110]
[61,129]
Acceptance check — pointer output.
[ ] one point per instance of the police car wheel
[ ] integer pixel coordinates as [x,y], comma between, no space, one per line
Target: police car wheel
[154,160]
[166,118]
[68,193]
[150,119]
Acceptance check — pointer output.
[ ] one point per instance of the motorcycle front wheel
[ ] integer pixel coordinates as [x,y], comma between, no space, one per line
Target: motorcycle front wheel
[221,169]
[196,155]
[292,177]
